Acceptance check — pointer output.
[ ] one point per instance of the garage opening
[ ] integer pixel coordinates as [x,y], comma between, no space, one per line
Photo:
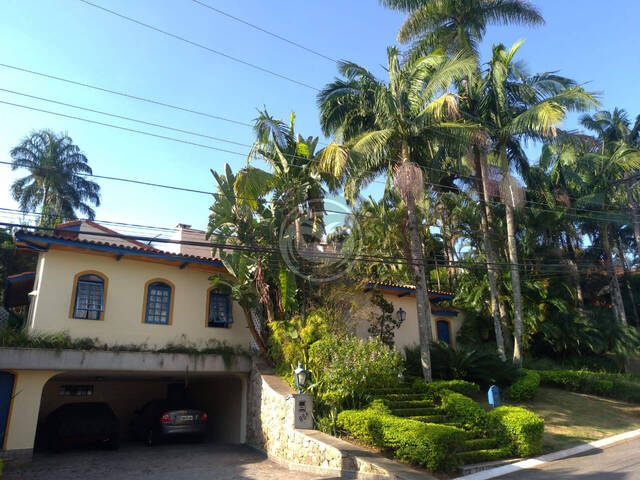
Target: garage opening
[220,396]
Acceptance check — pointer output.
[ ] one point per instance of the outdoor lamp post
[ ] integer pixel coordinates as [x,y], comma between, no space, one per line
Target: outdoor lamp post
[300,375]
[401,315]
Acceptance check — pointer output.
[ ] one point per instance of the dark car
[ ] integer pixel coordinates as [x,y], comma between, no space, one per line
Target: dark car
[82,423]
[160,420]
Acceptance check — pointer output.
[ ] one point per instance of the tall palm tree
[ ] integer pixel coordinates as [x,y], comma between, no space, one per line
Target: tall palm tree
[522,107]
[57,178]
[393,128]
[455,25]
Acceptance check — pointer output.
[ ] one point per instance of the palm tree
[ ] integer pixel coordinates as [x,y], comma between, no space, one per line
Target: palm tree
[455,25]
[522,107]
[601,171]
[393,128]
[56,182]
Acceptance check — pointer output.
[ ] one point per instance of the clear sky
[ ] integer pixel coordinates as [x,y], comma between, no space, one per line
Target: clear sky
[588,40]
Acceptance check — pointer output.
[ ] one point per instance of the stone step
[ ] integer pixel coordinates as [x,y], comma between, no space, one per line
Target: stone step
[415,412]
[429,418]
[409,404]
[397,397]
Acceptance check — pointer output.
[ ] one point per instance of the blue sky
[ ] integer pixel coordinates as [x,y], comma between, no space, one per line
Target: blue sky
[586,40]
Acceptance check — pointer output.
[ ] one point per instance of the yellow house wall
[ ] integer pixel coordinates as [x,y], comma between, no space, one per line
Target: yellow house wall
[122,322]
[407,334]
[23,416]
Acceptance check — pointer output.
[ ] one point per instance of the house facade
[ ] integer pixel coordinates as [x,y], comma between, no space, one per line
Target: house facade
[140,306]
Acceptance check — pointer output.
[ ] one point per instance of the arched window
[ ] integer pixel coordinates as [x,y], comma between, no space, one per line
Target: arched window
[219,314]
[158,307]
[89,296]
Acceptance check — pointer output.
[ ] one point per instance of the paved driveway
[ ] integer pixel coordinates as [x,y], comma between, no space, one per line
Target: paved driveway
[164,462]
[618,462]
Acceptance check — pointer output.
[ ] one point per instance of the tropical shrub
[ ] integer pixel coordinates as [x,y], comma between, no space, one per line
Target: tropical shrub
[605,384]
[462,410]
[344,370]
[464,363]
[525,388]
[517,427]
[427,445]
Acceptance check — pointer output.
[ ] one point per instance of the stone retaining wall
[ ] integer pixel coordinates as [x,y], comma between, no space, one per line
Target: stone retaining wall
[271,428]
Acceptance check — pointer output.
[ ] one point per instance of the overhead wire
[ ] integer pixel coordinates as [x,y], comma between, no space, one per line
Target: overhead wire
[263,30]
[200,45]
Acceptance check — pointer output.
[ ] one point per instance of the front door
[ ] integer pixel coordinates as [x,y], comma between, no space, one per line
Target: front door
[443,331]
[6,393]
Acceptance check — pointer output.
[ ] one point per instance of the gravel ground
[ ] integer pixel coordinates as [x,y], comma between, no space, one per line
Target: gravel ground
[164,462]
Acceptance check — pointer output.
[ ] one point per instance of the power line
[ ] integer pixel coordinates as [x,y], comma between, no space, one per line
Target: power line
[128,95]
[141,132]
[200,45]
[267,249]
[275,35]
[122,117]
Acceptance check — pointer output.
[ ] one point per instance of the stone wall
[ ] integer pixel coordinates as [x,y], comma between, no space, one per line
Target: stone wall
[271,425]
[271,428]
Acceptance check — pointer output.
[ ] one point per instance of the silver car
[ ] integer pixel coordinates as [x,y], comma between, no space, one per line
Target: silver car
[159,420]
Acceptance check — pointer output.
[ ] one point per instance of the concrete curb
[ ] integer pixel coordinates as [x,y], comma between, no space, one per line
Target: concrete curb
[551,457]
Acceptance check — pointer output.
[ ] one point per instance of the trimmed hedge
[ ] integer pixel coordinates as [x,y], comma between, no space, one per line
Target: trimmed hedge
[428,445]
[462,410]
[517,427]
[459,386]
[479,444]
[603,384]
[526,387]
[486,455]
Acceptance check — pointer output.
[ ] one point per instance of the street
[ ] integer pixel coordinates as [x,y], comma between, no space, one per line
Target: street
[619,462]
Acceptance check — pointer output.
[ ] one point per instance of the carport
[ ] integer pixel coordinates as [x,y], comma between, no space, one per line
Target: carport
[217,394]
[126,381]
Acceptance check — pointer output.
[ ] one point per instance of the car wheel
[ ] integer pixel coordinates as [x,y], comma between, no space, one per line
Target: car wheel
[151,438]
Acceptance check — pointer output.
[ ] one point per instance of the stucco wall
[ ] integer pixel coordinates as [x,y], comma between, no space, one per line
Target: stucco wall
[23,419]
[407,334]
[122,322]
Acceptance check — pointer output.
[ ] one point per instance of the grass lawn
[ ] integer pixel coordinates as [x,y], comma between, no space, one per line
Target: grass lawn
[574,418]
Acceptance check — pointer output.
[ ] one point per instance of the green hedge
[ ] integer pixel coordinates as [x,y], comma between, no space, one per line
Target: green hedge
[526,387]
[487,455]
[459,386]
[517,427]
[604,384]
[428,445]
[462,410]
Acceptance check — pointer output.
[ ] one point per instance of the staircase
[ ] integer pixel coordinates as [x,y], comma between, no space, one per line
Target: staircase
[421,407]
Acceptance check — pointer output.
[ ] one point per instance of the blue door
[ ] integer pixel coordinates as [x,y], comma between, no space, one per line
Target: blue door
[6,391]
[443,331]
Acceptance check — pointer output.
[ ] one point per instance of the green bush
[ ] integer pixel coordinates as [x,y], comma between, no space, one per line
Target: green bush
[428,445]
[525,388]
[610,385]
[459,386]
[462,410]
[487,455]
[517,427]
[471,364]
[346,370]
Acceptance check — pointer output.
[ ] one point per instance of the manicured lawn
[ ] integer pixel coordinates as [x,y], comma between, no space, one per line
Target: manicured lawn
[574,418]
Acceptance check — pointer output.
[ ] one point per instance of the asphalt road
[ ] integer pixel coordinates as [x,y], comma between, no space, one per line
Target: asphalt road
[618,462]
